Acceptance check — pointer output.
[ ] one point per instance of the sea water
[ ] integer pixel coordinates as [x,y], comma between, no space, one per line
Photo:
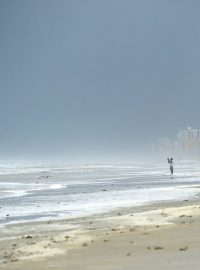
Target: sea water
[44,191]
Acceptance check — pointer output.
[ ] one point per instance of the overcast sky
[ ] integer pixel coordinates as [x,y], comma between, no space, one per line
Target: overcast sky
[90,77]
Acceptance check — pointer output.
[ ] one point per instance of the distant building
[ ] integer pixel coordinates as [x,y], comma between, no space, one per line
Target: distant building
[189,135]
[185,146]
[189,142]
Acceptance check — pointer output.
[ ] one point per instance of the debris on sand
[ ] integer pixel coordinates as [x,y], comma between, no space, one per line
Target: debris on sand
[183,248]
[158,247]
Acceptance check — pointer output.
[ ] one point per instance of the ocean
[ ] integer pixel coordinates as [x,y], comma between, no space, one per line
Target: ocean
[32,191]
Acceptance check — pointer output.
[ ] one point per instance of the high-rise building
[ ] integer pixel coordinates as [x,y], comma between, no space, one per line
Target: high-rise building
[189,135]
[189,142]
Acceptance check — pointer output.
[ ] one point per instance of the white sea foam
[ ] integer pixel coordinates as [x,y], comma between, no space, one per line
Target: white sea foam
[91,203]
[78,190]
[12,193]
[56,186]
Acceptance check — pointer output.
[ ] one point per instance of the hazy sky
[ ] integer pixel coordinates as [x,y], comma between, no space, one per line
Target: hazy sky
[85,77]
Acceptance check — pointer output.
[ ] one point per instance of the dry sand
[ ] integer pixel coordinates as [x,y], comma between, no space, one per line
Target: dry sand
[162,236]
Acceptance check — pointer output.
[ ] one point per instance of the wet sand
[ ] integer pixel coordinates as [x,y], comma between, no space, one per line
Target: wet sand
[161,236]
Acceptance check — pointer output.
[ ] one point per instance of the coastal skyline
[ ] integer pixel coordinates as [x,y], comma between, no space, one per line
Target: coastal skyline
[184,145]
[93,79]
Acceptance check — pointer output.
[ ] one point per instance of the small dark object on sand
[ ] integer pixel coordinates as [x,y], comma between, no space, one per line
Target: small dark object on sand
[128,254]
[106,240]
[85,244]
[158,248]
[28,236]
[14,260]
[183,249]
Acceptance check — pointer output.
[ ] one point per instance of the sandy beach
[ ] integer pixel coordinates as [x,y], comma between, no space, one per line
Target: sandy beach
[99,135]
[147,237]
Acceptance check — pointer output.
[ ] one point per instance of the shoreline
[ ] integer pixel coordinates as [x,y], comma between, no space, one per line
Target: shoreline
[69,242]
[13,220]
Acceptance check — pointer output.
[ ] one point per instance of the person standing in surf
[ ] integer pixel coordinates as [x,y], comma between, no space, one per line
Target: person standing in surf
[171,165]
